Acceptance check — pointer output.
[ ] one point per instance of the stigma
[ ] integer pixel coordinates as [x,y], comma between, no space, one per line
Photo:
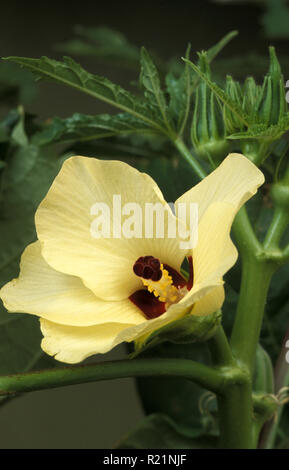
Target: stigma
[157,280]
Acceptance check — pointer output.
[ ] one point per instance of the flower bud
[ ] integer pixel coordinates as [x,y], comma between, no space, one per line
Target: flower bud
[272,104]
[232,122]
[208,130]
[251,96]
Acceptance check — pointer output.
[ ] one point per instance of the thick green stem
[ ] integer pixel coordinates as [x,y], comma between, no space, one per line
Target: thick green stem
[186,154]
[258,266]
[234,401]
[235,417]
[256,277]
[208,377]
[238,429]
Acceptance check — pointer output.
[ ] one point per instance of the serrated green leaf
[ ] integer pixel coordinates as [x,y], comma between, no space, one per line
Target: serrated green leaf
[259,131]
[70,73]
[263,132]
[81,127]
[180,91]
[150,81]
[221,95]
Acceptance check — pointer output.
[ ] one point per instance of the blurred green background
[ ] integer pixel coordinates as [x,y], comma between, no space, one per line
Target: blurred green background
[97,415]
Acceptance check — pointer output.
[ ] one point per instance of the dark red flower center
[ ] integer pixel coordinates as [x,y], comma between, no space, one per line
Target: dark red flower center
[149,268]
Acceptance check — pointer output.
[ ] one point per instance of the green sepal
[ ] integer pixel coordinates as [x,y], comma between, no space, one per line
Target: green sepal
[189,329]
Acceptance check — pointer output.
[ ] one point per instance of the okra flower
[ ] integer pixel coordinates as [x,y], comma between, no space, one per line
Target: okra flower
[94,292]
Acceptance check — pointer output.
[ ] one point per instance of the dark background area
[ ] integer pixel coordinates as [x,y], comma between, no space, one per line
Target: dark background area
[96,415]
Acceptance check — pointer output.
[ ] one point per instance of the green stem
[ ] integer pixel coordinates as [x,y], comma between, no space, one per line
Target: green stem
[262,153]
[235,417]
[220,348]
[256,277]
[244,234]
[258,266]
[278,225]
[234,401]
[186,154]
[205,376]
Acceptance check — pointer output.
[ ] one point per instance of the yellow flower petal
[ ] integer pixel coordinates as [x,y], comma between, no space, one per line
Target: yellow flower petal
[61,298]
[235,181]
[215,253]
[210,303]
[219,197]
[73,344]
[63,222]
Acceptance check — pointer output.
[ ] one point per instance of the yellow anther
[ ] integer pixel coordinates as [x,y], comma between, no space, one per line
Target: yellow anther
[164,288]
